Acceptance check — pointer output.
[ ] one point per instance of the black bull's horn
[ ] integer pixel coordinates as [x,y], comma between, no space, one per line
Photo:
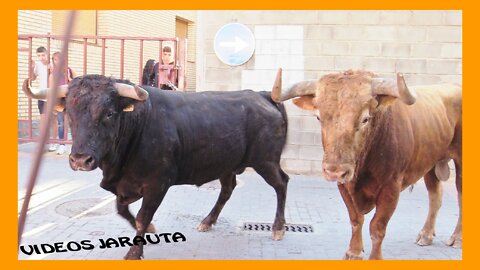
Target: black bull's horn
[131,91]
[42,93]
[124,90]
[380,86]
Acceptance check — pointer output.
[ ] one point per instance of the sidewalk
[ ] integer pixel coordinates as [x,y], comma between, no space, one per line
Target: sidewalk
[70,207]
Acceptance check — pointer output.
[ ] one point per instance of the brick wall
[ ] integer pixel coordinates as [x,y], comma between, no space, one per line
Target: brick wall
[29,21]
[425,45]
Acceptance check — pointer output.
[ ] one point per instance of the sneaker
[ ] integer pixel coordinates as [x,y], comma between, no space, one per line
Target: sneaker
[61,149]
[53,147]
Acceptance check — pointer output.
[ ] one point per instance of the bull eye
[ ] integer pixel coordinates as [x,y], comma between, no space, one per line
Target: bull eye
[365,120]
[110,114]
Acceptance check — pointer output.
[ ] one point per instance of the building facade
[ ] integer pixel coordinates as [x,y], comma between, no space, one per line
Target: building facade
[138,23]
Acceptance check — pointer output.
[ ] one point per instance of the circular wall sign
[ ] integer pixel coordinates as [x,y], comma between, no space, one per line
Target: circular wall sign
[234,44]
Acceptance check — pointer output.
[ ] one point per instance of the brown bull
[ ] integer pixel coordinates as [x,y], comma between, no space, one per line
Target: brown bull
[379,137]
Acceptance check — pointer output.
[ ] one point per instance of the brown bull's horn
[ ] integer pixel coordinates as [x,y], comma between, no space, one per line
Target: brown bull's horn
[130,91]
[305,88]
[397,89]
[277,87]
[406,95]
[42,93]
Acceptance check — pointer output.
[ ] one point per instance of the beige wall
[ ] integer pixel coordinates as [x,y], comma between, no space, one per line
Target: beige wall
[139,23]
[425,45]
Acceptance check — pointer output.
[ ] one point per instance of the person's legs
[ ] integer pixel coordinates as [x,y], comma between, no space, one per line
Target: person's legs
[54,134]
[43,118]
[61,131]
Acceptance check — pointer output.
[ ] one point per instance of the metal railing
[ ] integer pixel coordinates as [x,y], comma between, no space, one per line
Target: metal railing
[26,127]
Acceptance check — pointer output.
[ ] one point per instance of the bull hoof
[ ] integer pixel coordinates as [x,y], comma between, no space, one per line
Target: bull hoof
[278,235]
[351,256]
[202,227]
[150,228]
[133,254]
[424,238]
[455,241]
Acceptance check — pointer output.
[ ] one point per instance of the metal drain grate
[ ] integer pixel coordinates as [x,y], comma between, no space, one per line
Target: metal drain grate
[262,227]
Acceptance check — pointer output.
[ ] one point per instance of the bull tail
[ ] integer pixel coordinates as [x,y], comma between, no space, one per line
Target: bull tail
[280,107]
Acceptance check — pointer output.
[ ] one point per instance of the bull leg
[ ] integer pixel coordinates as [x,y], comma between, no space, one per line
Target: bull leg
[125,213]
[151,200]
[456,238]
[275,177]
[228,184]
[355,248]
[386,203]
[434,187]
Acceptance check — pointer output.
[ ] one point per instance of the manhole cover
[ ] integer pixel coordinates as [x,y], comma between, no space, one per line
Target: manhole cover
[255,226]
[86,207]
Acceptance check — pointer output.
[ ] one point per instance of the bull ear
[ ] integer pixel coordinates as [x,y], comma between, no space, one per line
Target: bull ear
[305,102]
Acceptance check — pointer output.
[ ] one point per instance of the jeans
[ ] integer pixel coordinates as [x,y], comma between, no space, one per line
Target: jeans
[61,121]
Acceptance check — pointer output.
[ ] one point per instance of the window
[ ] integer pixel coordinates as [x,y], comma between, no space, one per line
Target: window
[85,24]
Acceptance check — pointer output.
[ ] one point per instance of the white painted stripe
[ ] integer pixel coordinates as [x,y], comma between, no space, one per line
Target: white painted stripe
[109,199]
[44,199]
[38,256]
[38,229]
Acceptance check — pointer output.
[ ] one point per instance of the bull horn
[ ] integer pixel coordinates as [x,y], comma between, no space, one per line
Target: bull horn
[131,91]
[42,93]
[397,89]
[305,88]
[277,87]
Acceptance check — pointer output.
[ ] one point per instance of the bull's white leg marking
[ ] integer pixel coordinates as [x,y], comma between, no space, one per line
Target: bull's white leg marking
[278,235]
[202,227]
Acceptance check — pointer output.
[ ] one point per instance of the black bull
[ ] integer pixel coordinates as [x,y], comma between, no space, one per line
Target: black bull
[146,140]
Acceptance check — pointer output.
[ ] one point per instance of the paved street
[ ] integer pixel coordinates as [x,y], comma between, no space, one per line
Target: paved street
[70,206]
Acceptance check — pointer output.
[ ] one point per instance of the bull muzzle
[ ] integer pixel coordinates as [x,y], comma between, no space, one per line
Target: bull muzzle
[82,162]
[341,173]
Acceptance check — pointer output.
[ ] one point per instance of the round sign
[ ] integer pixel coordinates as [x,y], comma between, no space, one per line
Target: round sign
[234,44]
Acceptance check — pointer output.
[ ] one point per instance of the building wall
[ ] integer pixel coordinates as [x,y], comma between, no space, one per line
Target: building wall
[139,23]
[424,45]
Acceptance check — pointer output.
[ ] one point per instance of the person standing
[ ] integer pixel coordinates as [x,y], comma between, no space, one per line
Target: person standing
[40,70]
[64,79]
[169,73]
